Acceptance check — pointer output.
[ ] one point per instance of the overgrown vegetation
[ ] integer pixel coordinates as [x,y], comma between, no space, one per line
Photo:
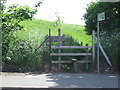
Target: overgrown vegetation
[36,30]
[16,53]
[22,35]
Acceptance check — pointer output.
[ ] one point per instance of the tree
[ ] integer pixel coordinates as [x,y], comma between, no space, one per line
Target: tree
[111,9]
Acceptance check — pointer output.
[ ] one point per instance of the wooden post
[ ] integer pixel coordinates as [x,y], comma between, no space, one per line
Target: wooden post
[93,45]
[59,50]
[87,58]
[50,64]
[49,40]
[75,65]
[98,59]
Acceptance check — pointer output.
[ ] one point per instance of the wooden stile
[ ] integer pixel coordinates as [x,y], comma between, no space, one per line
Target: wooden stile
[61,39]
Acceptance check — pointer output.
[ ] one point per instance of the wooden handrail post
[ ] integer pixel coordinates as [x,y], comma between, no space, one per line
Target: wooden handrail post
[93,45]
[59,50]
[49,40]
[87,58]
[49,37]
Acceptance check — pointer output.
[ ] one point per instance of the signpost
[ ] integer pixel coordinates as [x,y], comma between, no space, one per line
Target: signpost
[100,17]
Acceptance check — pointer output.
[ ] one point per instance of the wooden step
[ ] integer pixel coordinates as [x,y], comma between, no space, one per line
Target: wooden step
[61,61]
[70,54]
[82,61]
[67,47]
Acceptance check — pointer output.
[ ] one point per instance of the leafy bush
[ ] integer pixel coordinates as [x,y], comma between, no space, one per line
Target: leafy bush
[11,17]
[21,57]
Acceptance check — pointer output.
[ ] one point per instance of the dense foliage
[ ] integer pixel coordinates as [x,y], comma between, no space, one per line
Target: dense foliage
[11,46]
[109,28]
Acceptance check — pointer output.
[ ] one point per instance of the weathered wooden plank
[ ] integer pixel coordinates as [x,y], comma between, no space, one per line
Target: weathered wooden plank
[56,38]
[70,54]
[68,47]
[82,61]
[62,62]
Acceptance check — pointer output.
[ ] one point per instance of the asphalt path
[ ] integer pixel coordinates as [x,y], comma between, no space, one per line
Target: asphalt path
[59,80]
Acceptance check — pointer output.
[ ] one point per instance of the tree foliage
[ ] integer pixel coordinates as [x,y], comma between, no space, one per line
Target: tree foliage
[112,15]
[11,17]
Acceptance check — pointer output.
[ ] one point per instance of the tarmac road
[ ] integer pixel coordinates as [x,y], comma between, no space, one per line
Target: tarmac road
[59,80]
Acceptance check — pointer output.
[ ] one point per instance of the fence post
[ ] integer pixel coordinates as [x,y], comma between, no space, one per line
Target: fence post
[59,50]
[93,45]
[98,58]
[49,40]
[87,58]
[50,64]
[75,65]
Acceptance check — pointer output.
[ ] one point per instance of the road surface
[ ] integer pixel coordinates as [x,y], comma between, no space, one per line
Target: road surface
[59,80]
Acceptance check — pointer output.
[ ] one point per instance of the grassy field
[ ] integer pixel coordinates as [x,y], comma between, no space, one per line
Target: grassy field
[36,30]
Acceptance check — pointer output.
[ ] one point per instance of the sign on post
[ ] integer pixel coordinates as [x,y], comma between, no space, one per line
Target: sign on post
[101,16]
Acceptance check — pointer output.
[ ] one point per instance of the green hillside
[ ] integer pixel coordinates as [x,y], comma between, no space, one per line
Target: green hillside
[36,30]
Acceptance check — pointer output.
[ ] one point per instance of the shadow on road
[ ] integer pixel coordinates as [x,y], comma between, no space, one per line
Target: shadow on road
[83,80]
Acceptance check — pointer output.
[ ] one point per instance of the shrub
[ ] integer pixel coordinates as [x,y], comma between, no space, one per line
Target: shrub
[21,57]
[110,42]
[11,17]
